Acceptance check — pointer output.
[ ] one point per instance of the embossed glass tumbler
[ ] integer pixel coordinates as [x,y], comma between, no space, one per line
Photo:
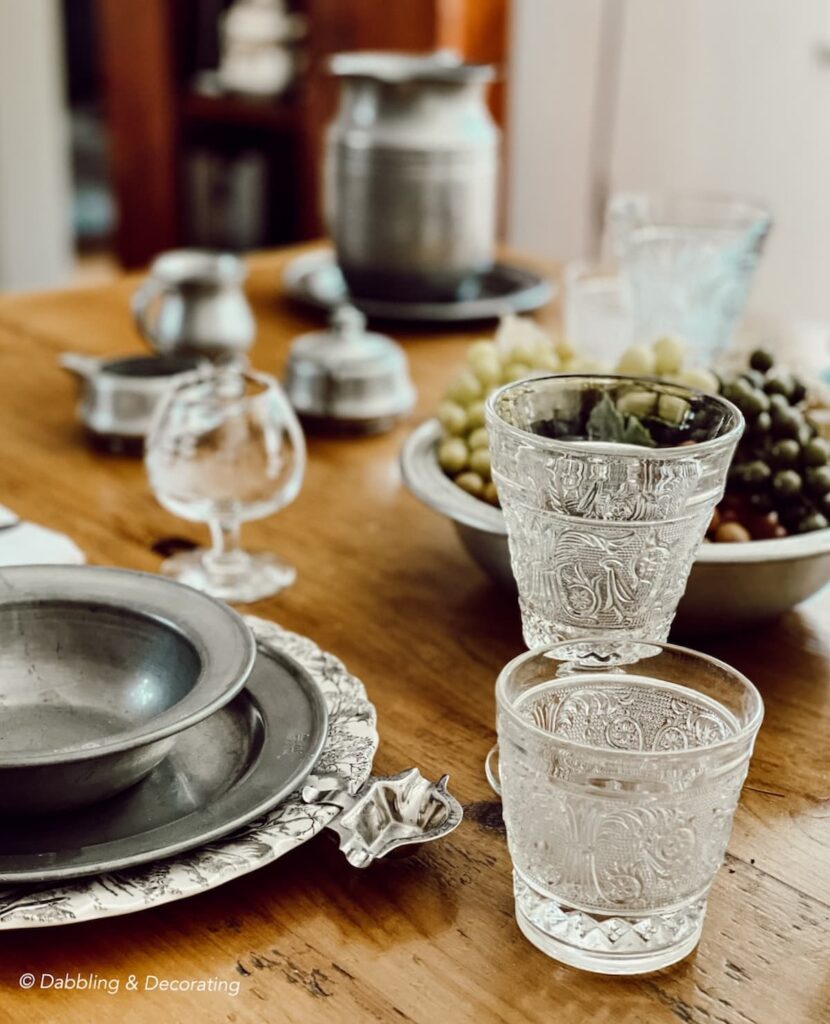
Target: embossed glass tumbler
[619,785]
[603,533]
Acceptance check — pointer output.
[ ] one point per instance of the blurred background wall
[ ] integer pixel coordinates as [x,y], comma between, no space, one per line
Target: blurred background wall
[117,139]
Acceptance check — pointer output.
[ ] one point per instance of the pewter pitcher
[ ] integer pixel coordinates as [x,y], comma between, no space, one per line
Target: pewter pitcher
[410,175]
[192,304]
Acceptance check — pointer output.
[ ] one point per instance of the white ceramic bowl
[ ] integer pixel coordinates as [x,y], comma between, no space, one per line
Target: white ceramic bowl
[730,586]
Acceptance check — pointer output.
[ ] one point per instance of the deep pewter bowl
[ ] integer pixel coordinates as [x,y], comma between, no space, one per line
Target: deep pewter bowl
[731,586]
[100,669]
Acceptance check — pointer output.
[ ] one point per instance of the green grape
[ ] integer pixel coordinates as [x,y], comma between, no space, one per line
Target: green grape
[637,403]
[482,350]
[488,370]
[637,361]
[465,388]
[668,355]
[453,455]
[672,408]
[475,415]
[452,417]
[480,462]
[478,438]
[472,483]
[515,371]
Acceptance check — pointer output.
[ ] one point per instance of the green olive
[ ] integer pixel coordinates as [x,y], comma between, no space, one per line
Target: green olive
[784,454]
[814,521]
[818,480]
[752,474]
[761,425]
[816,452]
[787,484]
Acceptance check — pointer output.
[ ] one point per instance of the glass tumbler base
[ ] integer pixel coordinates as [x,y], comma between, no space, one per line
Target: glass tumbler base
[262,575]
[607,945]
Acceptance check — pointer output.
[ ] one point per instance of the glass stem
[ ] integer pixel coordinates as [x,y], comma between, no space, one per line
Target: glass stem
[226,554]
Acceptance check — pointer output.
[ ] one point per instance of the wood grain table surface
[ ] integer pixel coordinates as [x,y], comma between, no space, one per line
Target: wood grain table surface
[384,584]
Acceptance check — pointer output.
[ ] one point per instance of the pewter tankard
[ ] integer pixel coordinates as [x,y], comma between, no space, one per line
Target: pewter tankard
[192,304]
[411,174]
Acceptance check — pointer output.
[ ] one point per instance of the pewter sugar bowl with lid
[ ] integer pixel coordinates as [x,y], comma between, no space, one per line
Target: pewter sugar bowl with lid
[347,378]
[410,175]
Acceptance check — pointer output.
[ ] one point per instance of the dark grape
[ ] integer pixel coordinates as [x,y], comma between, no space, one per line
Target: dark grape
[761,360]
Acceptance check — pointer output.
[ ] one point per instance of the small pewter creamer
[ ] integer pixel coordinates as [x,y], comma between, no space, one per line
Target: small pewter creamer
[410,175]
[192,304]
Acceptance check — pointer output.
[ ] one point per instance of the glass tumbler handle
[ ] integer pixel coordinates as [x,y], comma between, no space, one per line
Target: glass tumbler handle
[491,769]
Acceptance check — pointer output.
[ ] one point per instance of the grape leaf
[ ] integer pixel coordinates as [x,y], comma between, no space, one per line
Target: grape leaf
[607,423]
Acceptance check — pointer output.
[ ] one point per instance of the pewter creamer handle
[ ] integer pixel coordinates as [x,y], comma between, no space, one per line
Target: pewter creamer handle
[386,813]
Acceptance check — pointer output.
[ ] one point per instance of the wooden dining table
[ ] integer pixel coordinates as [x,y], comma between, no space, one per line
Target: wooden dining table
[384,584]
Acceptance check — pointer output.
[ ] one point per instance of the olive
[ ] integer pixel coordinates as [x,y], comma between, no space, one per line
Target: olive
[787,423]
[760,502]
[818,480]
[814,521]
[736,390]
[787,484]
[753,474]
[777,383]
[778,403]
[761,360]
[754,377]
[785,453]
[816,452]
[754,403]
[761,425]
[799,392]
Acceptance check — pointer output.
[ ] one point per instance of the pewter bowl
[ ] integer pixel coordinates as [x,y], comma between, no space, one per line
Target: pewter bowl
[99,670]
[731,586]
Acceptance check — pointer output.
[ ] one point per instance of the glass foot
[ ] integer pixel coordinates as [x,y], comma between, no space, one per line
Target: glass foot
[253,578]
[607,944]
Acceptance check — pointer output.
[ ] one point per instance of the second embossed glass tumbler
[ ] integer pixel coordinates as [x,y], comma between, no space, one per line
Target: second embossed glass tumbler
[607,486]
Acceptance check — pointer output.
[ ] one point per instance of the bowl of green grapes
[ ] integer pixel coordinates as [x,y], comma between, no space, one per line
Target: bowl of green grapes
[767,548]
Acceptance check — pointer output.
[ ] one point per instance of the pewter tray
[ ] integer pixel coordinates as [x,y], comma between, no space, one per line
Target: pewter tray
[315,280]
[224,772]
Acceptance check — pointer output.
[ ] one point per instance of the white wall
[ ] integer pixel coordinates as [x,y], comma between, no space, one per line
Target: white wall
[35,234]
[712,94]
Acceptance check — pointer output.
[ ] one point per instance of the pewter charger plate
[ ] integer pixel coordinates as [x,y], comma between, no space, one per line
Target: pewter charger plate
[315,280]
[222,773]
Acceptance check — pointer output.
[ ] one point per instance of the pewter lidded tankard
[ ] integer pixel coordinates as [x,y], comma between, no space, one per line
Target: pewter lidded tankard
[410,175]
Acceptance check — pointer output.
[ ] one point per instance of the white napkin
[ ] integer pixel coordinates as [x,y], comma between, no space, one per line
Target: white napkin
[30,544]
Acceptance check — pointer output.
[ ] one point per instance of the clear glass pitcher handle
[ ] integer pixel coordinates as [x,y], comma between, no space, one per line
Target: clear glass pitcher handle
[491,769]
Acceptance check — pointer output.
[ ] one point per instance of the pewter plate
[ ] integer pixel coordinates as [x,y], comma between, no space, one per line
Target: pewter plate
[315,280]
[222,773]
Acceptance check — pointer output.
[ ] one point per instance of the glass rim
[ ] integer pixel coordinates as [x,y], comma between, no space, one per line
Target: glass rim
[753,207]
[744,732]
[618,450]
